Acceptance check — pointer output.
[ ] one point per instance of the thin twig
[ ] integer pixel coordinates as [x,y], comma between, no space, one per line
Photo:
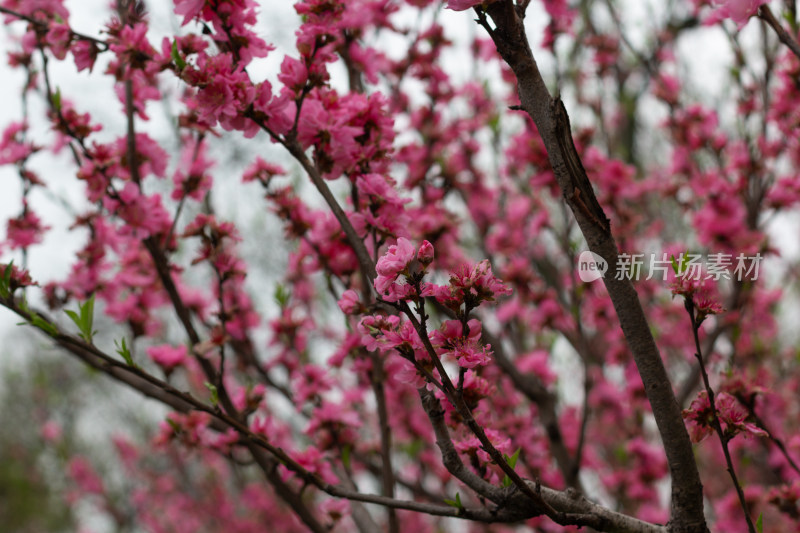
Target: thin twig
[723,439]
[44,26]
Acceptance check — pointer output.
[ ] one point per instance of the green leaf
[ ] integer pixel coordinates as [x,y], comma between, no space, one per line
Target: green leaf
[346,456]
[74,316]
[56,99]
[455,503]
[87,312]
[44,325]
[122,349]
[214,393]
[176,56]
[174,425]
[512,462]
[760,523]
[5,283]
[84,319]
[680,266]
[36,319]
[282,295]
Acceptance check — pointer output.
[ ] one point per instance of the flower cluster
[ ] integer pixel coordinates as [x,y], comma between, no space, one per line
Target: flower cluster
[470,285]
[732,415]
[401,260]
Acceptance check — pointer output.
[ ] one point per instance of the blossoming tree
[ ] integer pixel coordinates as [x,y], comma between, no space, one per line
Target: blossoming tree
[455,209]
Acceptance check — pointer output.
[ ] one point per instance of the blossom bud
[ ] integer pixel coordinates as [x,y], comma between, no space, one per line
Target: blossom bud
[425,253]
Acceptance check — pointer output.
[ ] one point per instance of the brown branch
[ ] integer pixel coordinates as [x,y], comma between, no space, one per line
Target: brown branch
[44,27]
[270,469]
[378,378]
[516,505]
[552,122]
[155,388]
[364,521]
[450,458]
[771,436]
[356,243]
[545,401]
[765,14]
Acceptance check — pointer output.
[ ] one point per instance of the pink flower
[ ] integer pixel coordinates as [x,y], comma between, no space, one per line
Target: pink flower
[51,431]
[389,268]
[732,416]
[293,74]
[349,303]
[25,230]
[191,177]
[84,475]
[262,171]
[189,9]
[739,11]
[396,259]
[470,354]
[462,5]
[58,38]
[11,149]
[85,54]
[475,284]
[167,357]
[472,446]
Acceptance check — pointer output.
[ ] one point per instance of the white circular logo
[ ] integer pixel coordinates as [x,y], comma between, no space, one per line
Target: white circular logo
[591,266]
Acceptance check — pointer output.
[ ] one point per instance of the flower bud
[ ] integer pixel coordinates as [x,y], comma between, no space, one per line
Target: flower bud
[425,253]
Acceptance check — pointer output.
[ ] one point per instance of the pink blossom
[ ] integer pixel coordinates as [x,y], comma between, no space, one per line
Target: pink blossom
[396,258]
[293,74]
[191,178]
[12,149]
[314,461]
[472,446]
[477,283]
[310,383]
[389,267]
[51,431]
[132,50]
[168,357]
[334,423]
[462,5]
[41,10]
[262,171]
[84,53]
[190,429]
[471,354]
[58,39]
[189,8]
[84,475]
[409,375]
[739,11]
[732,416]
[25,230]
[349,302]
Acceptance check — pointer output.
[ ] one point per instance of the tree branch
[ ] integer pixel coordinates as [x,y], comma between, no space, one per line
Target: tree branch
[765,14]
[551,119]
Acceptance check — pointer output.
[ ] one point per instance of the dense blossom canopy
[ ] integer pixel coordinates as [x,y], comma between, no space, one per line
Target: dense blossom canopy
[433,359]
